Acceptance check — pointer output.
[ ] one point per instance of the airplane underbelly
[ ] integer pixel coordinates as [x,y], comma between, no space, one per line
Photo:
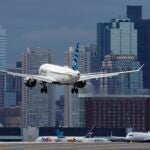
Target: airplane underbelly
[64,79]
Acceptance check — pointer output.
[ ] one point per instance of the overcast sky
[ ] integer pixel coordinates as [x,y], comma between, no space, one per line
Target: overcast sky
[57,24]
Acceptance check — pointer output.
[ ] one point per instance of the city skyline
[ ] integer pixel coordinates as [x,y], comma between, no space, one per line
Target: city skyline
[56,25]
[76,26]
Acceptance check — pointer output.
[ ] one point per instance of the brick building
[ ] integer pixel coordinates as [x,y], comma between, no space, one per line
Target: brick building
[116,112]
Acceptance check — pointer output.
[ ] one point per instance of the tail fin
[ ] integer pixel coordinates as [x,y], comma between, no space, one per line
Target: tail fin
[59,133]
[75,57]
[90,133]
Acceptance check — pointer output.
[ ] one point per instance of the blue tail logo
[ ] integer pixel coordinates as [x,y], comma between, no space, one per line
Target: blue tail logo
[75,57]
[59,133]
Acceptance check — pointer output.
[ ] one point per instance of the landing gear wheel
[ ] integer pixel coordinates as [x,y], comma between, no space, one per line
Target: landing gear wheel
[44,87]
[41,90]
[44,90]
[74,90]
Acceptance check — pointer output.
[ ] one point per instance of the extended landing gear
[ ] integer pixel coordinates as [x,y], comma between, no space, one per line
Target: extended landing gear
[44,87]
[74,89]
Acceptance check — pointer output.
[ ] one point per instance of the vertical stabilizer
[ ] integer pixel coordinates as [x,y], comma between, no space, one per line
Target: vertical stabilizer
[75,57]
[90,133]
[59,133]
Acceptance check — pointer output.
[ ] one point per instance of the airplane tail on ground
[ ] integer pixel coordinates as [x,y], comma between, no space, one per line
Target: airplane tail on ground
[59,133]
[90,133]
[75,57]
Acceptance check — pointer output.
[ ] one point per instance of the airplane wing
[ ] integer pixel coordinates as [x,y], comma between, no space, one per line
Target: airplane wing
[97,75]
[117,138]
[36,77]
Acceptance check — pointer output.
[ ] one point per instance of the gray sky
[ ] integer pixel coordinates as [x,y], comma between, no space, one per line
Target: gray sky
[57,24]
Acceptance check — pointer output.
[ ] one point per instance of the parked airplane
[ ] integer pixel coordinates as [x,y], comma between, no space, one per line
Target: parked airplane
[53,139]
[133,137]
[63,75]
[88,138]
[138,137]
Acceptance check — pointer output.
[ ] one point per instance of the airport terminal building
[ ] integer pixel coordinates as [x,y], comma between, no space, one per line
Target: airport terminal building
[115,111]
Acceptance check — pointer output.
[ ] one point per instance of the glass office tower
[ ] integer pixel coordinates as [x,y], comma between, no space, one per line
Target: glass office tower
[3,46]
[118,52]
[38,108]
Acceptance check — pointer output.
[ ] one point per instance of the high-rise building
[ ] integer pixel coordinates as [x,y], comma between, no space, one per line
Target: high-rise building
[127,84]
[91,65]
[14,87]
[117,38]
[103,41]
[123,37]
[38,109]
[60,111]
[91,58]
[134,13]
[143,27]
[119,53]
[3,46]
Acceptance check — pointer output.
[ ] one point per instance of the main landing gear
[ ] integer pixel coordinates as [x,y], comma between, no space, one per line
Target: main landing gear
[74,89]
[44,87]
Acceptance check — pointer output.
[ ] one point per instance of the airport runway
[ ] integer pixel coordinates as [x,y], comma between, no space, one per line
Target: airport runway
[74,146]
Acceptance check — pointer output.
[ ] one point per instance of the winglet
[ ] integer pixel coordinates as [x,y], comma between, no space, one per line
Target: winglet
[140,68]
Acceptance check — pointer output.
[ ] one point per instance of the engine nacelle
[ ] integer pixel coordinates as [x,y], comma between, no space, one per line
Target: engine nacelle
[30,82]
[81,84]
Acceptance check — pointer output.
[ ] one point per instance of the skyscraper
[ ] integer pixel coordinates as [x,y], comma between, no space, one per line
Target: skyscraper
[119,53]
[3,46]
[38,108]
[14,87]
[129,84]
[143,27]
[123,37]
[92,65]
[134,13]
[117,38]
[103,41]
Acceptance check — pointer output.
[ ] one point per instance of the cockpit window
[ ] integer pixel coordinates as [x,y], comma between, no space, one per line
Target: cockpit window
[43,71]
[130,134]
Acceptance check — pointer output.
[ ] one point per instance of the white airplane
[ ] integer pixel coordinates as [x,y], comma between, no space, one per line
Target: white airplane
[69,139]
[138,137]
[60,138]
[53,139]
[88,138]
[63,75]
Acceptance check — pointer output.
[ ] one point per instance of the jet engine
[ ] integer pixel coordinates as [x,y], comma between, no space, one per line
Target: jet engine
[80,84]
[30,82]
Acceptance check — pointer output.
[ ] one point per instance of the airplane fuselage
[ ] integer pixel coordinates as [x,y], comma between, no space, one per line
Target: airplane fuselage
[71,139]
[60,74]
[138,136]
